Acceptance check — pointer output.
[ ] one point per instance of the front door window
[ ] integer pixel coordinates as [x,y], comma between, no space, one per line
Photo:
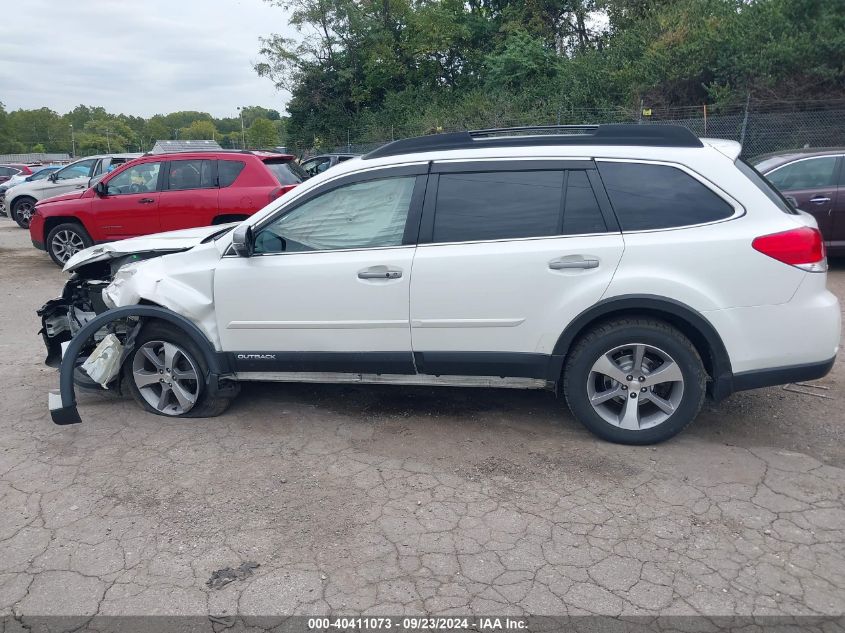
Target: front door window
[369,214]
[141,178]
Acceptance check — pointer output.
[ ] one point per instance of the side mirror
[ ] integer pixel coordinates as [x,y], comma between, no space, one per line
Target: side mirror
[53,177]
[243,240]
[101,189]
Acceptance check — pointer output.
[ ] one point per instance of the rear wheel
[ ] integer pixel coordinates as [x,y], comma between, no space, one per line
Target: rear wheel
[22,211]
[634,381]
[166,375]
[65,240]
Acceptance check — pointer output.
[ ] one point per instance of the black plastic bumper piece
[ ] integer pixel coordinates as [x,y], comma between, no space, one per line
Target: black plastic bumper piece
[62,415]
[63,404]
[781,375]
[38,245]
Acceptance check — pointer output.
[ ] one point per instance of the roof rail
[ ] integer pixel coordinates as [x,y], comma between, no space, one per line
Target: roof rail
[649,135]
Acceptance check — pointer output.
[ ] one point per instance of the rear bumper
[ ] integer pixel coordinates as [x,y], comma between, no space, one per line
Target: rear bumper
[781,375]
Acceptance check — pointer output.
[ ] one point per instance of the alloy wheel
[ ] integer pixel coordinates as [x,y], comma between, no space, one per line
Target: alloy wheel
[65,244]
[635,386]
[166,377]
[24,211]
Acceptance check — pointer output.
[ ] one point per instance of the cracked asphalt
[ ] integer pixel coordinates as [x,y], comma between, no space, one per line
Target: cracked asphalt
[390,500]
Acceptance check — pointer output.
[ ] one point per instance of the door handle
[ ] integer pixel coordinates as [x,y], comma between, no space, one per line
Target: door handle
[565,263]
[379,273]
[819,200]
[146,201]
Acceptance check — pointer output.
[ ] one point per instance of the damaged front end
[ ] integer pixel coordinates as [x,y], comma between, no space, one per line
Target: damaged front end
[113,291]
[82,300]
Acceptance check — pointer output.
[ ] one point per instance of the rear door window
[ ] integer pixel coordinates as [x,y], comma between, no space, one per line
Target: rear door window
[811,173]
[287,172]
[190,174]
[497,205]
[647,197]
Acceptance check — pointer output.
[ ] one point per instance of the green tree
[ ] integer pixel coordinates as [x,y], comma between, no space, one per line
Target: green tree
[262,133]
[199,130]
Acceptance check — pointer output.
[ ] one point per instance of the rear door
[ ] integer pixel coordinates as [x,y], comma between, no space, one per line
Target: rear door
[130,205]
[510,252]
[813,184]
[189,194]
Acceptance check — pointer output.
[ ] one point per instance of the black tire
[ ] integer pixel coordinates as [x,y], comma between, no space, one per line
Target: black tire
[61,233]
[206,405]
[22,209]
[614,335]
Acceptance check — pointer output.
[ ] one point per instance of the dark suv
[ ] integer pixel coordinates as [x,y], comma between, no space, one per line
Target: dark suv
[815,180]
[162,192]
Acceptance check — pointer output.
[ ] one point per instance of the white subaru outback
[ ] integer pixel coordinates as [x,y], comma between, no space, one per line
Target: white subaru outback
[632,268]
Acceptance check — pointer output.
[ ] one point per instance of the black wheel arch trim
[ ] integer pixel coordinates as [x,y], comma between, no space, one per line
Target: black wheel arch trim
[66,412]
[721,372]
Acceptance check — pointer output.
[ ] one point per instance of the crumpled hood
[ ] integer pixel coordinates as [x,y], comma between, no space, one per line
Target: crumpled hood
[169,242]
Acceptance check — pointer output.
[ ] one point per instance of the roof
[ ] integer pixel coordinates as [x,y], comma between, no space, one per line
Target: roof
[617,134]
[168,147]
[203,153]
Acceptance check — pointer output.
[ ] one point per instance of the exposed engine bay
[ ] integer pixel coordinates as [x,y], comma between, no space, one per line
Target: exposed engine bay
[81,301]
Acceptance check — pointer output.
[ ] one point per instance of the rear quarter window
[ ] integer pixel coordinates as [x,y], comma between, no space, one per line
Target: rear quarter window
[228,171]
[647,197]
[287,172]
[765,186]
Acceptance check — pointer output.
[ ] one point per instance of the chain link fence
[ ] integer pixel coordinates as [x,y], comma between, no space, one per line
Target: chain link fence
[759,127]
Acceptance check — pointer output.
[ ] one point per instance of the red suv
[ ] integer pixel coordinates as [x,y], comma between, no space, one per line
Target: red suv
[162,192]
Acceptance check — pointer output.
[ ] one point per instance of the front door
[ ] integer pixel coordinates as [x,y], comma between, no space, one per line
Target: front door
[812,182]
[327,287]
[512,257]
[130,205]
[74,176]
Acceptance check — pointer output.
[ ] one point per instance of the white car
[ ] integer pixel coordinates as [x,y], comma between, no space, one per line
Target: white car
[632,269]
[20,200]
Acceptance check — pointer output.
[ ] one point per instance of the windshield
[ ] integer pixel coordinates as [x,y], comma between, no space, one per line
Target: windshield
[287,171]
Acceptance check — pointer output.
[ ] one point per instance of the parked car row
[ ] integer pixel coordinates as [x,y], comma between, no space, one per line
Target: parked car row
[36,172]
[116,196]
[151,194]
[85,203]
[632,269]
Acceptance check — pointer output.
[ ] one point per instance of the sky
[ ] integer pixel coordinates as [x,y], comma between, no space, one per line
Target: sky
[138,58]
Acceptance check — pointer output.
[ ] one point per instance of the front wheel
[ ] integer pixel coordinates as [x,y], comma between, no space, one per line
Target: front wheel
[22,211]
[634,381]
[166,375]
[65,241]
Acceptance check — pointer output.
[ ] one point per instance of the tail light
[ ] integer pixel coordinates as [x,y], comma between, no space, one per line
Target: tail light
[278,192]
[802,248]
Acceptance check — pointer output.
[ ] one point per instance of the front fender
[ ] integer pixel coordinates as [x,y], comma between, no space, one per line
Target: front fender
[63,403]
